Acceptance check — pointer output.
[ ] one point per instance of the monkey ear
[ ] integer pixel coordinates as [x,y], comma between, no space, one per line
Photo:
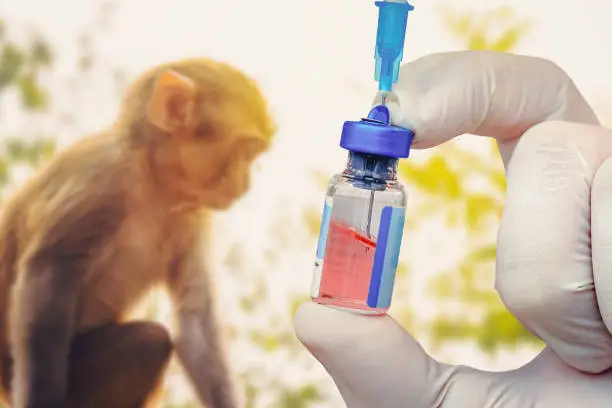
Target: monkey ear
[172,103]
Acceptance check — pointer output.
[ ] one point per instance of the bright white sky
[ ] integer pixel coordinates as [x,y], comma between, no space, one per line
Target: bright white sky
[314,59]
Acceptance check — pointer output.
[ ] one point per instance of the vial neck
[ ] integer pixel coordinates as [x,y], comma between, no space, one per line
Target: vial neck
[371,167]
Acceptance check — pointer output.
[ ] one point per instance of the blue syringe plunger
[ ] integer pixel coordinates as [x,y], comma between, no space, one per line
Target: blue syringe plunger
[392,20]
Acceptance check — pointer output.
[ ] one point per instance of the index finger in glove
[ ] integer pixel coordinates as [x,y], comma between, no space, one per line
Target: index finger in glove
[441,96]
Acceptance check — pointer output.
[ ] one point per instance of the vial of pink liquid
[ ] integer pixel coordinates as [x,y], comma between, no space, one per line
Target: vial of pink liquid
[363,219]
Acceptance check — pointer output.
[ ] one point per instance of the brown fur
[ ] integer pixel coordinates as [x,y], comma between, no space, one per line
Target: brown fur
[115,214]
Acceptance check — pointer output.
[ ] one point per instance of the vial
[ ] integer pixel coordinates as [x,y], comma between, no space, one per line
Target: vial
[363,218]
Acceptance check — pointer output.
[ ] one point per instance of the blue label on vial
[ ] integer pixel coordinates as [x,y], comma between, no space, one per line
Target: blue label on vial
[386,257]
[323,231]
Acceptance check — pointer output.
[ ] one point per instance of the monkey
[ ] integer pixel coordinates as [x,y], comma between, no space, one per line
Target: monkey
[113,215]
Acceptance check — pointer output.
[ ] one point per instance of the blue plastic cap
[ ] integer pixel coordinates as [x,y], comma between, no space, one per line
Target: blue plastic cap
[376,135]
[392,20]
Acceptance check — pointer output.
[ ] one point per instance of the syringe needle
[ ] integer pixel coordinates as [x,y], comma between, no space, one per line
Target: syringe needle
[370,208]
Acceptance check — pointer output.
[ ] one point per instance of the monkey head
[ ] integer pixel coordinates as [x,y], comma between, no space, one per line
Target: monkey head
[203,123]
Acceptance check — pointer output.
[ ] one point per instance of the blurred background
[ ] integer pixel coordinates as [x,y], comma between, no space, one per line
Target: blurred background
[64,64]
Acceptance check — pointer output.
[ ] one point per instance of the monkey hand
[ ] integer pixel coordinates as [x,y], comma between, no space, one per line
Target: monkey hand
[553,255]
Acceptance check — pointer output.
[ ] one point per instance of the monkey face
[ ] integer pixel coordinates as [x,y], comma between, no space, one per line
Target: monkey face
[220,169]
[217,128]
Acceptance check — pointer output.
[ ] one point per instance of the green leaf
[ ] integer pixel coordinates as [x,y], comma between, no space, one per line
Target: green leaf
[309,392]
[4,172]
[303,397]
[462,26]
[251,393]
[11,62]
[477,208]
[40,150]
[498,180]
[296,302]
[29,152]
[33,96]
[500,328]
[405,317]
[507,41]
[248,303]
[15,149]
[477,42]
[267,342]
[445,328]
[474,29]
[433,177]
[452,217]
[312,217]
[443,287]
[402,271]
[483,254]
[41,54]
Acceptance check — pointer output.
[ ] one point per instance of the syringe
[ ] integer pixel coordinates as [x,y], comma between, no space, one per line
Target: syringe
[389,51]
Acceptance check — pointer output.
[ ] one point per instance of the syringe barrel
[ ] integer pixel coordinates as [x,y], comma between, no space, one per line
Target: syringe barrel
[389,51]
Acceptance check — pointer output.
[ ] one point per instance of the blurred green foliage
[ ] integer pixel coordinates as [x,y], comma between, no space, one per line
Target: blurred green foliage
[21,66]
[478,31]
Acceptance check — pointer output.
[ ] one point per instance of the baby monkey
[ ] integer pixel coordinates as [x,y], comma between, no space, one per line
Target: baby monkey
[109,218]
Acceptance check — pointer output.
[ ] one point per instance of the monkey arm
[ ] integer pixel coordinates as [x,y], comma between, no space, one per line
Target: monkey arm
[63,239]
[198,344]
[43,316]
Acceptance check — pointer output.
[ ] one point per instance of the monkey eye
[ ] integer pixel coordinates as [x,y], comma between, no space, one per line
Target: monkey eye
[205,130]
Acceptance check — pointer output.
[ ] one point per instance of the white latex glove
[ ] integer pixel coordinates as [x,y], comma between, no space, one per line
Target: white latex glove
[554,259]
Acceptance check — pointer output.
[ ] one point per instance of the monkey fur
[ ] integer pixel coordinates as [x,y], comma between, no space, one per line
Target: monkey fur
[113,215]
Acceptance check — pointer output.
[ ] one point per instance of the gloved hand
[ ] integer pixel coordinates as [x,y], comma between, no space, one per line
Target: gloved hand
[554,255]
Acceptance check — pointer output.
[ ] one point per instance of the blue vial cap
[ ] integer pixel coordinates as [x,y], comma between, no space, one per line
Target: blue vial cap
[389,51]
[376,135]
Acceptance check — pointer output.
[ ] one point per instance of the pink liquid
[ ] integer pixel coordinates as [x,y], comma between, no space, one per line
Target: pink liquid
[347,269]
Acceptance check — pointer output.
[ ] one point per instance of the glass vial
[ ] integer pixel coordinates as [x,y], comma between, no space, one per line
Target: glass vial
[363,219]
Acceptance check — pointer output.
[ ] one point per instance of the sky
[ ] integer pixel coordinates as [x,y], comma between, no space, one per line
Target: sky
[314,61]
